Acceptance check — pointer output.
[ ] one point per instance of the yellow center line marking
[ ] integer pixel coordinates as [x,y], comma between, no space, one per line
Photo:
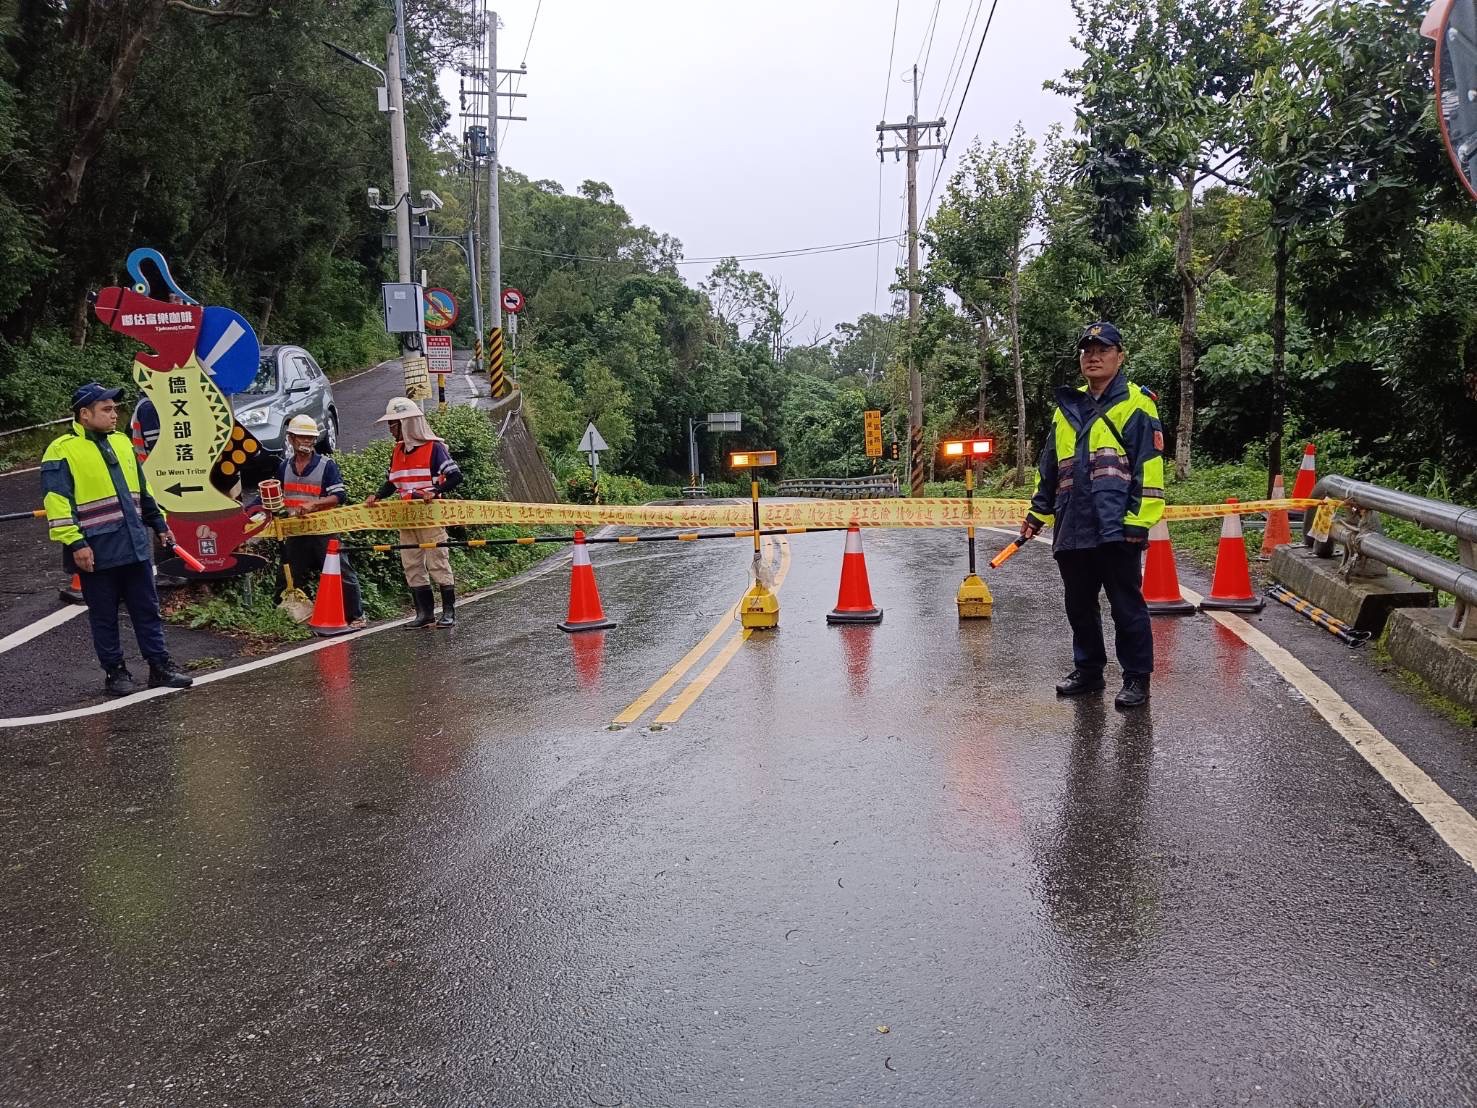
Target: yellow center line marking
[695,688]
[638,707]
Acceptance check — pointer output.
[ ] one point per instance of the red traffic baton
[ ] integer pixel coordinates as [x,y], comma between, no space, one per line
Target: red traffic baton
[189,559]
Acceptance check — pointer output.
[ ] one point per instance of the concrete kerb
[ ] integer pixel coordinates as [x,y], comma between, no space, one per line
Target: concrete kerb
[1419,640]
[1364,603]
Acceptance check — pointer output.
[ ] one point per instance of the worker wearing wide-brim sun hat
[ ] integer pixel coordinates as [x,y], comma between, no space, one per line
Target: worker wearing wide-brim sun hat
[421,468]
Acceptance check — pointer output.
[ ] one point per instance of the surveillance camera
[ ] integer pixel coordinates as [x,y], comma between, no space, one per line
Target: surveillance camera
[374,197]
[432,199]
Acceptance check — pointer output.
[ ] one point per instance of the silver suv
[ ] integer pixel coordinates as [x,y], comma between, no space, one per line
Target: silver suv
[289,383]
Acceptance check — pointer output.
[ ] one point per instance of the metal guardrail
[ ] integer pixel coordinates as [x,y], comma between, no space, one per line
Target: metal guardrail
[842,488]
[1368,553]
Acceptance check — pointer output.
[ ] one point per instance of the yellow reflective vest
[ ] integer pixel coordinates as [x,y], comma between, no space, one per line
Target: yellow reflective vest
[1101,477]
[96,495]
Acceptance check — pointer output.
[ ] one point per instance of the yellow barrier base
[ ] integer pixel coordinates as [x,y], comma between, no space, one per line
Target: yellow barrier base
[974,599]
[760,609]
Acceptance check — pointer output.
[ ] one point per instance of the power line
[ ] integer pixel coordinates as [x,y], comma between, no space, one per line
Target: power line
[956,63]
[770,255]
[959,111]
[891,50]
[925,49]
[517,82]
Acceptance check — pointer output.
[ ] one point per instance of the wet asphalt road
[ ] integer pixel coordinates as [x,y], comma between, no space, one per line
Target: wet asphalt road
[868,866]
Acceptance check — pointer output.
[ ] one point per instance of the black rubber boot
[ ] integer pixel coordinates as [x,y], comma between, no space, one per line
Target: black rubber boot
[448,607]
[425,606]
[162,674]
[119,681]
[1080,683]
[1134,694]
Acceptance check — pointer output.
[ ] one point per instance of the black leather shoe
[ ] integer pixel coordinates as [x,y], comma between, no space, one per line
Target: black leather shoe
[119,681]
[1134,694]
[164,675]
[1080,683]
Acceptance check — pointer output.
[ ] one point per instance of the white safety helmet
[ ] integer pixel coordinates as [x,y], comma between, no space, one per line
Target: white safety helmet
[302,425]
[400,407]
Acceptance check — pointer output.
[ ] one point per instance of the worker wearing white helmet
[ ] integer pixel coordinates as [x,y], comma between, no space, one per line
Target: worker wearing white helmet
[421,468]
[311,482]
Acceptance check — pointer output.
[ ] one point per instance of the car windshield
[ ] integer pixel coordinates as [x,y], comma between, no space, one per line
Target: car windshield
[265,381]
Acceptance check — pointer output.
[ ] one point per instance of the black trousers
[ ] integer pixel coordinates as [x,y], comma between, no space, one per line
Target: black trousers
[132,586]
[1116,568]
[305,554]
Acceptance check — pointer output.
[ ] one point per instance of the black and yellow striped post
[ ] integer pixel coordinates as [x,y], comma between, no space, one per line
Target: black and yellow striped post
[477,353]
[916,459]
[495,372]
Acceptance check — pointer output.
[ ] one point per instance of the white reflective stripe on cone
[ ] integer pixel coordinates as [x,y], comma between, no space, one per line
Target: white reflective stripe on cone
[853,541]
[1309,461]
[1231,528]
[1159,532]
[330,566]
[1279,490]
[581,554]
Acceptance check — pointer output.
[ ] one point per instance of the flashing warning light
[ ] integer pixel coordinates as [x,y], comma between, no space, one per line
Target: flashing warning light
[754,459]
[969,448]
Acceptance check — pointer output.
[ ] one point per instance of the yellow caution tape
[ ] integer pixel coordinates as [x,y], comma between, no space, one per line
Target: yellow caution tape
[894,512]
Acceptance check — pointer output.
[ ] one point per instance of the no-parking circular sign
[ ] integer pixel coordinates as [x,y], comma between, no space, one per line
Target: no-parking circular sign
[441,309]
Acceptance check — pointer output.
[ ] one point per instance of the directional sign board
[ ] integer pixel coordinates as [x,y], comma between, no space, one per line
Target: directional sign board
[512,301]
[725,421]
[872,426]
[438,354]
[228,349]
[592,443]
[441,309]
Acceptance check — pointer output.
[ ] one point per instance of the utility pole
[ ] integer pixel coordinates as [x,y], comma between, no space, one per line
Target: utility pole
[482,140]
[915,130]
[399,162]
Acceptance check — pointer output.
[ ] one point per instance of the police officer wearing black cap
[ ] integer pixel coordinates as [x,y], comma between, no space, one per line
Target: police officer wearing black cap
[1101,486]
[100,509]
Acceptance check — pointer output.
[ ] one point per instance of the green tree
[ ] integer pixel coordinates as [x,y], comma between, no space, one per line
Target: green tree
[1159,95]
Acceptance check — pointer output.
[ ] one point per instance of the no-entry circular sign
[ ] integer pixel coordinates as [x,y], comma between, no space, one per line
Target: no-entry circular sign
[512,301]
[441,309]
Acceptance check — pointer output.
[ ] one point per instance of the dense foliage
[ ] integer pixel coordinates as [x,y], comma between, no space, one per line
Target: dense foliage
[1255,191]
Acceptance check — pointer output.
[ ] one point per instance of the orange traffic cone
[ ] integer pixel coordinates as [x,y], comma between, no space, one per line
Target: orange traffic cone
[585,612]
[1230,591]
[1302,486]
[71,592]
[1161,578]
[854,602]
[328,607]
[1279,530]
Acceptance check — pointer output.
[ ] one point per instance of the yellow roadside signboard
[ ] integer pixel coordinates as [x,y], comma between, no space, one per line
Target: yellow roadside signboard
[872,422]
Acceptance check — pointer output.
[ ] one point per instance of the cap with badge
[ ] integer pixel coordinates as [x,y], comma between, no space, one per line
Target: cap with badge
[1104,333]
[90,393]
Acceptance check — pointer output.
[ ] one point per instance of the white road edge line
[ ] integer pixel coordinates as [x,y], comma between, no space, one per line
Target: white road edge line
[40,627]
[549,564]
[1456,826]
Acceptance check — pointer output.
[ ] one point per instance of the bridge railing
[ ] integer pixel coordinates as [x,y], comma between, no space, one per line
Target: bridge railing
[1367,551]
[842,488]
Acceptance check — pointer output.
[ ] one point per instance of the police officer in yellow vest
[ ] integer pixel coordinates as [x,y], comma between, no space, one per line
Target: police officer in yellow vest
[100,509]
[1101,481]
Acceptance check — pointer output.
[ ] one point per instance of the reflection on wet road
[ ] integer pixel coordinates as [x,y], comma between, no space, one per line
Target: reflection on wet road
[867,865]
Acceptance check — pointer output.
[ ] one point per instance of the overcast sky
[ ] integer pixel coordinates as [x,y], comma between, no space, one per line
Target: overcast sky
[746,128]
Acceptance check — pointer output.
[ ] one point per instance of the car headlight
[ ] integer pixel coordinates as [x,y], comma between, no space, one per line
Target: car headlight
[256,417]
